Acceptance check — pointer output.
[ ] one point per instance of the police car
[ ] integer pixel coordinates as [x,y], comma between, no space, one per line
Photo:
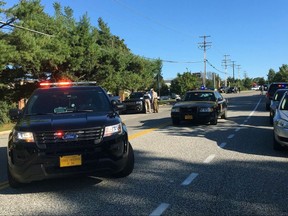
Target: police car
[68,128]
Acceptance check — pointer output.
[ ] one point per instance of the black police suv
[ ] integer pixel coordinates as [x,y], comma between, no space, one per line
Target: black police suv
[135,102]
[67,130]
[200,106]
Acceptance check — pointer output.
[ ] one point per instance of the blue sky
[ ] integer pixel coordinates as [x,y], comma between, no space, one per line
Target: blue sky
[254,33]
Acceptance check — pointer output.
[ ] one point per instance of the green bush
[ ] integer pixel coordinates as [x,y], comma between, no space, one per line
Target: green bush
[4,112]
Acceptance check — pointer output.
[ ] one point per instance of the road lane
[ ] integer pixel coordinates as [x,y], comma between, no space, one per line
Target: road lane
[239,179]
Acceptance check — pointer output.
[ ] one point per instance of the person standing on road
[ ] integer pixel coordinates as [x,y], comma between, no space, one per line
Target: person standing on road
[155,101]
[261,89]
[147,98]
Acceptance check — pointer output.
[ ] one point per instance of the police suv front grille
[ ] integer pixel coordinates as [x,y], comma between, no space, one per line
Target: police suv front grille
[77,135]
[189,110]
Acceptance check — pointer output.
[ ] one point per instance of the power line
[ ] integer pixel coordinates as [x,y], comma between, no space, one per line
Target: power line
[174,61]
[214,67]
[23,28]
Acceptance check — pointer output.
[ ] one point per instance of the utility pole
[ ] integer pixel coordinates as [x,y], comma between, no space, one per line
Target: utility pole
[204,45]
[225,62]
[233,66]
[238,68]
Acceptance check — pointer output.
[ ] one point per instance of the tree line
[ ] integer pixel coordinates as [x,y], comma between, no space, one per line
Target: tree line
[76,50]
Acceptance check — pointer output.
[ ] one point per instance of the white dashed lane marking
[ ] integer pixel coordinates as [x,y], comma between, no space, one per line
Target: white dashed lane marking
[209,158]
[160,209]
[189,179]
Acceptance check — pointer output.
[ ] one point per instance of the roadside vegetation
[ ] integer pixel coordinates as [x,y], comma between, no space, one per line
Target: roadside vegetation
[70,49]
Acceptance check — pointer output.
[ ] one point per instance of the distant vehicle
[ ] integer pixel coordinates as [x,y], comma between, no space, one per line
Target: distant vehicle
[271,90]
[116,98]
[165,97]
[135,102]
[222,89]
[175,96]
[275,102]
[231,90]
[280,124]
[178,97]
[255,88]
[201,106]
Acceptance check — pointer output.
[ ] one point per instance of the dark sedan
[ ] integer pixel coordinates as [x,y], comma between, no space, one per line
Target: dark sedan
[201,106]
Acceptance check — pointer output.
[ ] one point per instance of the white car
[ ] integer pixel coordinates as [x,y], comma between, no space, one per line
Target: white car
[256,88]
[280,124]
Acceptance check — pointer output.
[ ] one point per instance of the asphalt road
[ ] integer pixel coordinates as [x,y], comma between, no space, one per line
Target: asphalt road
[227,169]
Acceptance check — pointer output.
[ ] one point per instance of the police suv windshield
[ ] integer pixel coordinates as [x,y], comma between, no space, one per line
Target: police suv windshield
[67,101]
[199,96]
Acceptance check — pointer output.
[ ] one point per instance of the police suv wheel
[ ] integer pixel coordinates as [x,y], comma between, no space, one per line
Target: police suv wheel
[129,165]
[12,181]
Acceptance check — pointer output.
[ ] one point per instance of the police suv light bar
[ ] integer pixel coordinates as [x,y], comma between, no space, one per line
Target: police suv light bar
[66,83]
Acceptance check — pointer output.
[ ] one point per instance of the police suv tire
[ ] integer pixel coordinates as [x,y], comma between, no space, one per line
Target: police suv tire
[214,120]
[11,180]
[224,116]
[129,165]
[276,145]
[175,121]
[271,118]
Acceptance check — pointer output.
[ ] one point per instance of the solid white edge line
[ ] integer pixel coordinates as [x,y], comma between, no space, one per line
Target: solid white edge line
[189,179]
[209,158]
[160,209]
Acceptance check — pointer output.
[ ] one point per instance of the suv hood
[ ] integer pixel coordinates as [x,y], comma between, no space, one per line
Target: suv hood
[66,121]
[195,104]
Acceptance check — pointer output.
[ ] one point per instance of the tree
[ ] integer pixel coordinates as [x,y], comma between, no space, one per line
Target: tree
[76,51]
[282,74]
[185,82]
[271,75]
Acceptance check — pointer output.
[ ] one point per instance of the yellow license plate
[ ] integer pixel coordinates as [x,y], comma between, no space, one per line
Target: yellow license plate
[70,160]
[188,117]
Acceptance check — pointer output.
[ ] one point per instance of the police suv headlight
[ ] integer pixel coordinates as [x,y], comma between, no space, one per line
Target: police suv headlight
[175,109]
[113,129]
[206,109]
[282,123]
[19,136]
